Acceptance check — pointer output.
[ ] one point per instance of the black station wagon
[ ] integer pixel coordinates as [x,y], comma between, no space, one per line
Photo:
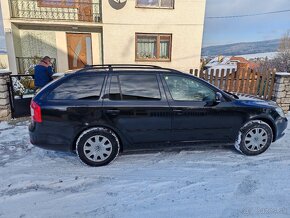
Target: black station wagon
[100,111]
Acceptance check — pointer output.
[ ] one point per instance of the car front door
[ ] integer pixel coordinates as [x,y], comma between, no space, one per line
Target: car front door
[196,116]
[137,106]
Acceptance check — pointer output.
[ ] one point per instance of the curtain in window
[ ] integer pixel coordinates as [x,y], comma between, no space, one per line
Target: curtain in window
[148,2]
[164,48]
[166,3]
[146,47]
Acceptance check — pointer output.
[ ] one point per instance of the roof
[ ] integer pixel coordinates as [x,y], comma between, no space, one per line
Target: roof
[239,59]
[229,62]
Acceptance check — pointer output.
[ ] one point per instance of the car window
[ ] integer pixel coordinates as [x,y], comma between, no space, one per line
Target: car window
[115,92]
[186,89]
[80,87]
[134,87]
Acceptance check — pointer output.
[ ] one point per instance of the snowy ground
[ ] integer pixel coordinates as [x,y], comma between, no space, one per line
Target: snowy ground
[202,182]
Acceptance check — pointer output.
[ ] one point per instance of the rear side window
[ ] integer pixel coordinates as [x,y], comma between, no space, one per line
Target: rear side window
[80,87]
[134,87]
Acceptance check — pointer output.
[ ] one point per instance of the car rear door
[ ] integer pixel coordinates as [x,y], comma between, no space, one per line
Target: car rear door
[136,105]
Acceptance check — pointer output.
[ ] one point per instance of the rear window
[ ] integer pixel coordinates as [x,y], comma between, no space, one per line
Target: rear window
[134,87]
[79,87]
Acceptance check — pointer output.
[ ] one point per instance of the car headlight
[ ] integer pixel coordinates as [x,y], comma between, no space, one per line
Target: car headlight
[280,112]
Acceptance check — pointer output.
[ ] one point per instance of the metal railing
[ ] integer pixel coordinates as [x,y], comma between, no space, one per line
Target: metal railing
[21,91]
[84,11]
[26,64]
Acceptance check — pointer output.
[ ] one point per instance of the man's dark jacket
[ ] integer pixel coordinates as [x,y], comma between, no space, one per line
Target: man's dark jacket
[42,75]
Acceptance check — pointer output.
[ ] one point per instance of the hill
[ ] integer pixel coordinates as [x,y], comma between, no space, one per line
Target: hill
[242,48]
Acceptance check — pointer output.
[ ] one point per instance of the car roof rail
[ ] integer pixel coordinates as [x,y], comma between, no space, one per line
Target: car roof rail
[123,66]
[111,67]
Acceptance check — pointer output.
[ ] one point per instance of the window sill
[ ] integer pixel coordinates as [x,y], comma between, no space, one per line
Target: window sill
[152,60]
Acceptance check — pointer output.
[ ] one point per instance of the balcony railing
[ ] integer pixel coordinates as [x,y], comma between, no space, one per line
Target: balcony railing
[63,10]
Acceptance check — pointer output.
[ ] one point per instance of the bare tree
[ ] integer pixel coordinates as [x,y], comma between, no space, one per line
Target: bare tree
[284,53]
[282,60]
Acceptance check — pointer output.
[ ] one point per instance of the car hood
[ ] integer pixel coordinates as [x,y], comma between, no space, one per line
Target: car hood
[252,100]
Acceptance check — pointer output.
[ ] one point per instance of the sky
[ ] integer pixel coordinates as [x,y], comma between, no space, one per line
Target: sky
[247,29]
[232,30]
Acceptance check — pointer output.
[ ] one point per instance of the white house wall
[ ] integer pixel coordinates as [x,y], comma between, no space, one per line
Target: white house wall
[184,22]
[97,48]
[62,56]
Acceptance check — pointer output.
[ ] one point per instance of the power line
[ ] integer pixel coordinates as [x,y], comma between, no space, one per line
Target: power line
[247,15]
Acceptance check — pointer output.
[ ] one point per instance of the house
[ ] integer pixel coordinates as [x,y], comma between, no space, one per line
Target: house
[167,33]
[230,63]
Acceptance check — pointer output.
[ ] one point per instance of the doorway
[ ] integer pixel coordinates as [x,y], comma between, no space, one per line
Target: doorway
[79,46]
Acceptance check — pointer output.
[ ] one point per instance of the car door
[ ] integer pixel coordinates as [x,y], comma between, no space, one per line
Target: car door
[138,108]
[195,115]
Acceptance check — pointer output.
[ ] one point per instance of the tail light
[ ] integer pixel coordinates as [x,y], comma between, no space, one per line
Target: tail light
[35,112]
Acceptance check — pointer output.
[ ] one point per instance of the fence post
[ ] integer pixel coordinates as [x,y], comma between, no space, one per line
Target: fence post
[5,111]
[281,93]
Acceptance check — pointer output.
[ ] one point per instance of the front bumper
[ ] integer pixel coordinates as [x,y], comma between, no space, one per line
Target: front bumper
[281,125]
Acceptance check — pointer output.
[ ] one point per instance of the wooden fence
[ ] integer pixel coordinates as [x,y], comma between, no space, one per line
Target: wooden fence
[243,81]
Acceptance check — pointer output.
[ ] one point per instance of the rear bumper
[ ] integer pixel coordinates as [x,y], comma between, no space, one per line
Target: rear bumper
[281,125]
[40,137]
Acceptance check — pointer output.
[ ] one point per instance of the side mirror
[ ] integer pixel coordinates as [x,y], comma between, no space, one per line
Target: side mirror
[218,97]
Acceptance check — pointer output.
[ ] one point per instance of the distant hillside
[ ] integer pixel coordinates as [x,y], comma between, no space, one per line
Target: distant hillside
[242,48]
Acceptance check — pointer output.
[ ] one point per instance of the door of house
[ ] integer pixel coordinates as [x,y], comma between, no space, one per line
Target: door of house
[79,50]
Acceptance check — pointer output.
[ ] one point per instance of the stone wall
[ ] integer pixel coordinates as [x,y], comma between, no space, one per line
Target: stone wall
[281,92]
[5,111]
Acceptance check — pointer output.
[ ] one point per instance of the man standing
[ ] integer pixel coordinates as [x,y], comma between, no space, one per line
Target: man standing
[43,73]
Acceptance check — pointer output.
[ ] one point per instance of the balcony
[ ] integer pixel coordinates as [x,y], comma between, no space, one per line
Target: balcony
[58,10]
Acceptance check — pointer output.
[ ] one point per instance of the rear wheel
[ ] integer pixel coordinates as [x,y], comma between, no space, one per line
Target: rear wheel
[254,138]
[97,146]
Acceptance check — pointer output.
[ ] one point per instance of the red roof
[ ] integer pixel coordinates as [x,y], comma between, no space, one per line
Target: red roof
[251,64]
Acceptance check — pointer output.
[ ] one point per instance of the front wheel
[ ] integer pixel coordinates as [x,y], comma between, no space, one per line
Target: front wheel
[254,138]
[97,146]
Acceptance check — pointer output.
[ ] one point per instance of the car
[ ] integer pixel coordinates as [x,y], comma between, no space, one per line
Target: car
[102,110]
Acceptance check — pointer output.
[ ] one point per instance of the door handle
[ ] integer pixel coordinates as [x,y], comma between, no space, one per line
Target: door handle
[178,112]
[113,112]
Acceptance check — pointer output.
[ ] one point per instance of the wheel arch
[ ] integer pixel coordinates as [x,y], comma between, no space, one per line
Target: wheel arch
[116,132]
[269,122]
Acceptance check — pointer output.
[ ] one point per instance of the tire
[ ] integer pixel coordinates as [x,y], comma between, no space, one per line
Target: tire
[97,146]
[254,138]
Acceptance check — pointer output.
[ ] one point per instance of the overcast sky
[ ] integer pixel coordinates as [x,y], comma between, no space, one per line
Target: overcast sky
[256,28]
[225,31]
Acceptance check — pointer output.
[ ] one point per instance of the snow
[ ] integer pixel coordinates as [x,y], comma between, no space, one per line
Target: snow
[216,61]
[283,73]
[269,55]
[200,182]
